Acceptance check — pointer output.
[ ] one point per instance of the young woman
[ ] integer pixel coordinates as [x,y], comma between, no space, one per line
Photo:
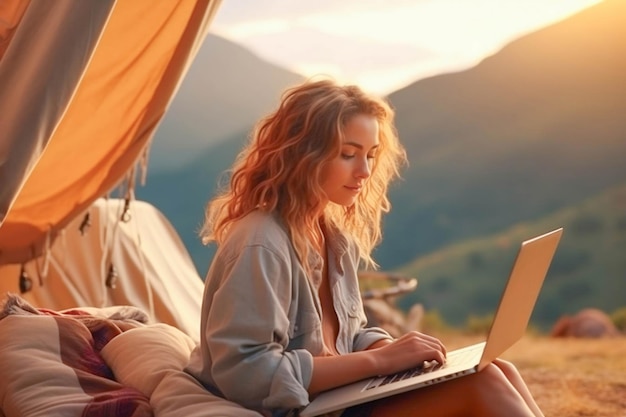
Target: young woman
[282,318]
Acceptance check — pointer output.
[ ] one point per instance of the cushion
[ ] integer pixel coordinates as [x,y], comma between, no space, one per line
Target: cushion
[141,357]
[180,394]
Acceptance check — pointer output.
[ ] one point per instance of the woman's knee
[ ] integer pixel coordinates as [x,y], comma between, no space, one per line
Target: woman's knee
[493,374]
[508,368]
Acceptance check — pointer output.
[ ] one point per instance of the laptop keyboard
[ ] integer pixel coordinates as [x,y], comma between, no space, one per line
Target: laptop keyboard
[453,359]
[409,373]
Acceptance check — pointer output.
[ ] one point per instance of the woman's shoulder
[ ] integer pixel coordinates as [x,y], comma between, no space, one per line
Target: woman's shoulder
[258,228]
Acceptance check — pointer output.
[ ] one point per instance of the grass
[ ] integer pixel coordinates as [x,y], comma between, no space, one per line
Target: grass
[569,377]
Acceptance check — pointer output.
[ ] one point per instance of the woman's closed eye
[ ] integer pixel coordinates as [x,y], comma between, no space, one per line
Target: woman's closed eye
[350,156]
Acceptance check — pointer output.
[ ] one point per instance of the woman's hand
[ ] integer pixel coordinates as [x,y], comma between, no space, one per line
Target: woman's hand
[383,357]
[408,351]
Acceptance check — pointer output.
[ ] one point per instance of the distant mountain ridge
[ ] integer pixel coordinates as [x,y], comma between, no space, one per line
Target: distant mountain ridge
[537,126]
[225,90]
[465,279]
[532,129]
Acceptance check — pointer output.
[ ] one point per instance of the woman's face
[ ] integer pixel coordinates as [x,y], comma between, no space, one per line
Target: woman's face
[345,176]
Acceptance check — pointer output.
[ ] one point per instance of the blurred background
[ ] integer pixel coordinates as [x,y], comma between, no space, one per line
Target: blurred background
[512,113]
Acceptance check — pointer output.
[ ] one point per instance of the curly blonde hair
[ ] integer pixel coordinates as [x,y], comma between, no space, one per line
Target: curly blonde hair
[281,168]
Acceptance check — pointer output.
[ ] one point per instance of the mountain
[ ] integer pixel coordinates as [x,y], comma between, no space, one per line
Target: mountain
[532,129]
[465,279]
[225,90]
[537,126]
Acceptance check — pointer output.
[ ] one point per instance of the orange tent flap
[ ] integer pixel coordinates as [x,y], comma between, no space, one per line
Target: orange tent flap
[140,58]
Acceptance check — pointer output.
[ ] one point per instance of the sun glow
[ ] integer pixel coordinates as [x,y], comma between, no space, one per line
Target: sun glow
[384,45]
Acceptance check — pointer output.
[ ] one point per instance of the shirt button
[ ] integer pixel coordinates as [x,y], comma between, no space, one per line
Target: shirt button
[295,327]
[353,308]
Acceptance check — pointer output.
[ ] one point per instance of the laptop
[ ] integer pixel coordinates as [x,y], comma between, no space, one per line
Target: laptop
[509,325]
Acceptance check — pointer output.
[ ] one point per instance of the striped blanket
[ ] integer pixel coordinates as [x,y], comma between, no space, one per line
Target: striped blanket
[51,363]
[96,362]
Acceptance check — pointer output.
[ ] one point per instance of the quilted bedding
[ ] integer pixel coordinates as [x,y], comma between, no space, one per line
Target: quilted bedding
[97,362]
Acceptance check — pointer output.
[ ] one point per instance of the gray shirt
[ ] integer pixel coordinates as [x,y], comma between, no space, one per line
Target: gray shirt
[261,316]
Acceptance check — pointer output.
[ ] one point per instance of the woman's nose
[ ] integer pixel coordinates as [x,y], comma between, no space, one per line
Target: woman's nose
[364,169]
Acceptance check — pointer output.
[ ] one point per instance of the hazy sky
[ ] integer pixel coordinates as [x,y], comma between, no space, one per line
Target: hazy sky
[383,44]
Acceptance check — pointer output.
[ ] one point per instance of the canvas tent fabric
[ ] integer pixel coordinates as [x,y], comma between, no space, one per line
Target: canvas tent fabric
[152,268]
[83,87]
[26,92]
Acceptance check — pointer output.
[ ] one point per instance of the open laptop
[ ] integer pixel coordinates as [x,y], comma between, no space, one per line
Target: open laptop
[509,325]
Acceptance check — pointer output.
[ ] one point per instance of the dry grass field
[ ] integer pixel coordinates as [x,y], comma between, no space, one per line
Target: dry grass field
[570,377]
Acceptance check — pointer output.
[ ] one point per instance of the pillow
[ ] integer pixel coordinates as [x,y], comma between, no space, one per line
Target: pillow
[180,394]
[141,357]
[49,366]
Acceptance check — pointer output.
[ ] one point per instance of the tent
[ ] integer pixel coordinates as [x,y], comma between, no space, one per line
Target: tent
[84,85]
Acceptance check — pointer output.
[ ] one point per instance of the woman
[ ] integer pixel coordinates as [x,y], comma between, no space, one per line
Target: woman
[282,318]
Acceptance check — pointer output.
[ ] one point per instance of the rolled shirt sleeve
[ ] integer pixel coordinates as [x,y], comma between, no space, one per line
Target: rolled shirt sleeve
[247,332]
[367,337]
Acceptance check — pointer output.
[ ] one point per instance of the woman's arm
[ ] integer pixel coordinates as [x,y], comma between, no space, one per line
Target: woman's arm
[246,331]
[382,358]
